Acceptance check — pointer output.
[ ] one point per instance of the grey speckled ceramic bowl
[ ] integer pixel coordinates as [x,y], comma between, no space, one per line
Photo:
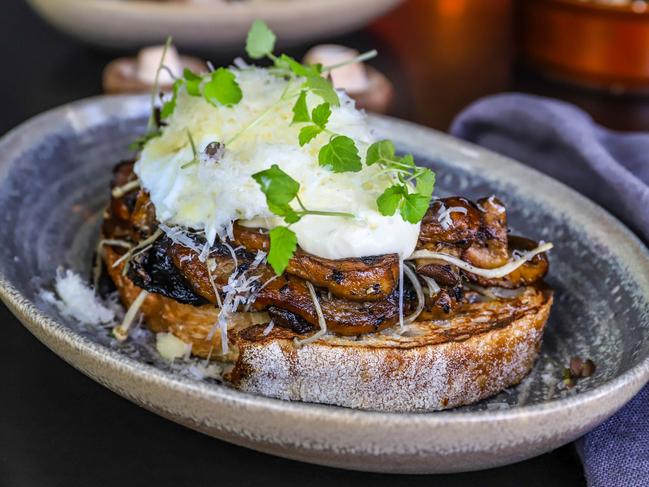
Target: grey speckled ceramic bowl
[54,172]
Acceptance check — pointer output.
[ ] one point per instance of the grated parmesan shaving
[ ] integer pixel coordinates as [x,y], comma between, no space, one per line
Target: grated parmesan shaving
[420,294]
[401,326]
[431,285]
[321,319]
[179,236]
[77,300]
[444,216]
[495,273]
[238,291]
[268,328]
[492,202]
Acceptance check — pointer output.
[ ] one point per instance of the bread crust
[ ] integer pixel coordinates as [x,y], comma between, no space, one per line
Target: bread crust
[485,348]
[444,367]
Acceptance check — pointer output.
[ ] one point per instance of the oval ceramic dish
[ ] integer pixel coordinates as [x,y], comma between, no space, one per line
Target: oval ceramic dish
[214,24]
[54,173]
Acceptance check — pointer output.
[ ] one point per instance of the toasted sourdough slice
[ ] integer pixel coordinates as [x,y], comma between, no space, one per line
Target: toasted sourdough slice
[432,365]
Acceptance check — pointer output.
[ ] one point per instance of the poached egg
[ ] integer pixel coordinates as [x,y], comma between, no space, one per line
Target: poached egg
[210,195]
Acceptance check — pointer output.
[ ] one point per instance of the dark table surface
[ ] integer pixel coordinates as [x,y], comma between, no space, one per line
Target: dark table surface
[59,428]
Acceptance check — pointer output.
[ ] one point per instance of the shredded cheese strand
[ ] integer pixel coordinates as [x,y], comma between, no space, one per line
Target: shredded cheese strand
[211,278]
[268,328]
[321,319]
[421,301]
[478,271]
[401,326]
[120,332]
[431,285]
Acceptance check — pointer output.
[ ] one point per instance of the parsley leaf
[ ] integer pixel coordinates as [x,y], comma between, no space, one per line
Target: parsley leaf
[408,161]
[222,88]
[308,133]
[299,69]
[192,82]
[283,243]
[323,88]
[381,152]
[414,207]
[300,110]
[278,187]
[340,155]
[389,201]
[426,182]
[320,115]
[260,41]
[285,211]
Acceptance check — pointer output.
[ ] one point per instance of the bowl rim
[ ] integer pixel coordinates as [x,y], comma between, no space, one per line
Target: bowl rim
[123,106]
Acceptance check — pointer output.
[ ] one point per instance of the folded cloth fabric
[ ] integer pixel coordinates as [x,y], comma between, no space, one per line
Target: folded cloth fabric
[557,138]
[612,169]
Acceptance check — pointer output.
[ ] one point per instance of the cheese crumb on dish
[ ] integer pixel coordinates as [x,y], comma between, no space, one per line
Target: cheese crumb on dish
[77,300]
[170,347]
[209,195]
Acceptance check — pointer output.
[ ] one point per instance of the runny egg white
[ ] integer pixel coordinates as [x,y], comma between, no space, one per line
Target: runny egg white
[208,196]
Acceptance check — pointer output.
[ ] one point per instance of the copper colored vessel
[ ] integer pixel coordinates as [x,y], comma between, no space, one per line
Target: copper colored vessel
[587,42]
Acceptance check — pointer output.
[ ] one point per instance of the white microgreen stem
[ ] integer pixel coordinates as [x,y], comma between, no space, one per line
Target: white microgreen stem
[166,68]
[120,332]
[156,83]
[320,213]
[299,202]
[326,213]
[120,191]
[358,59]
[285,96]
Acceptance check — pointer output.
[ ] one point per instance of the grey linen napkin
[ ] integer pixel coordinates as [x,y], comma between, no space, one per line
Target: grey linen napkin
[609,167]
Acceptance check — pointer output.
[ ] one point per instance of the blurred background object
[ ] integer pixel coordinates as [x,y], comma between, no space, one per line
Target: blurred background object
[440,55]
[595,43]
[137,74]
[203,24]
[451,53]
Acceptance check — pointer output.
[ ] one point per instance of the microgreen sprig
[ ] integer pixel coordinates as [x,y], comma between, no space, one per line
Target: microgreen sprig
[412,205]
[280,190]
[192,144]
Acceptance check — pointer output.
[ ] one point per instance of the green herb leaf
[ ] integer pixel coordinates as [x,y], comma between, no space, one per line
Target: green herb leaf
[299,69]
[340,155]
[381,152]
[222,88]
[320,115]
[426,182]
[283,243]
[323,88]
[285,211]
[169,106]
[390,200]
[192,82]
[260,41]
[279,187]
[308,133]
[300,110]
[414,207]
[407,160]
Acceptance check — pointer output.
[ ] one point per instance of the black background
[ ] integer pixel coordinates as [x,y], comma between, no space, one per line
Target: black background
[59,428]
